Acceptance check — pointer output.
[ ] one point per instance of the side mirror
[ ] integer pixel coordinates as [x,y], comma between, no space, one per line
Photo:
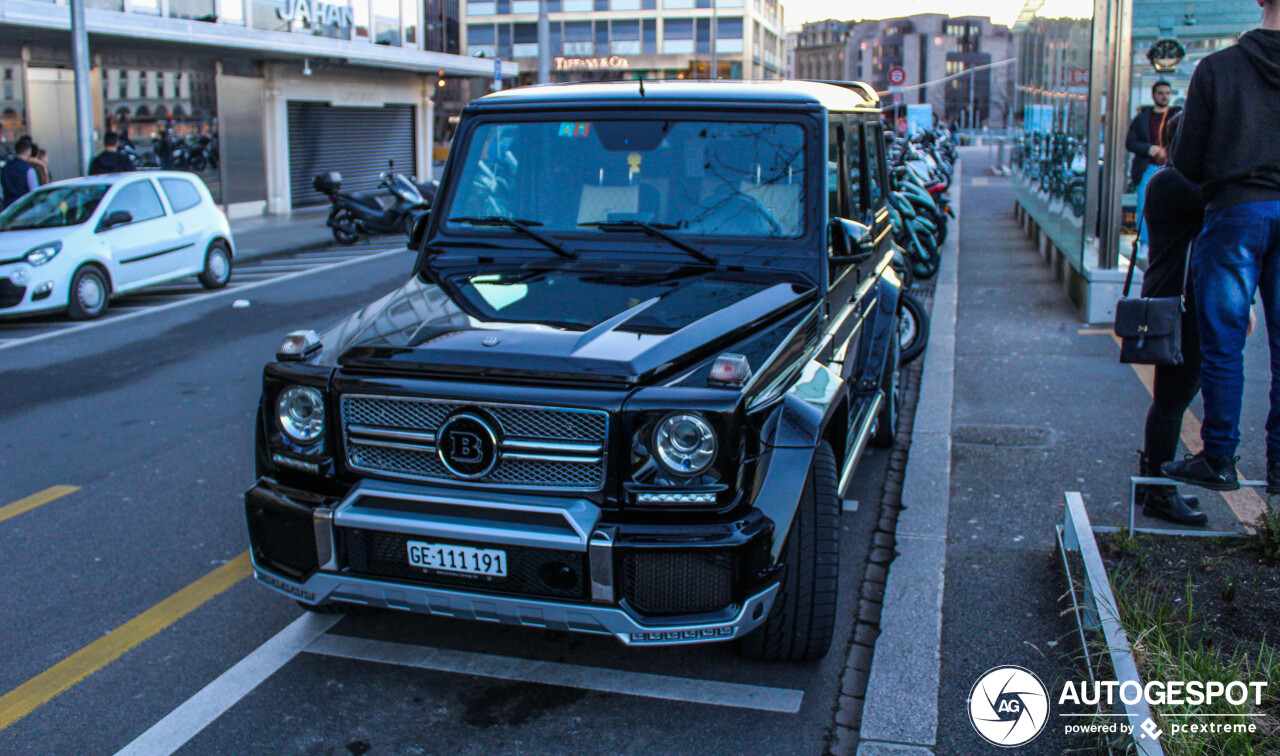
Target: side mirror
[117,218]
[419,232]
[851,242]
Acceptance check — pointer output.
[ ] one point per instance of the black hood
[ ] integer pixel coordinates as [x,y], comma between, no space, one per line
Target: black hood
[1262,48]
[561,326]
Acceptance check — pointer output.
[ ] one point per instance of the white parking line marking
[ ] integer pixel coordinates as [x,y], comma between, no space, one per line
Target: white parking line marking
[737,695]
[189,300]
[199,711]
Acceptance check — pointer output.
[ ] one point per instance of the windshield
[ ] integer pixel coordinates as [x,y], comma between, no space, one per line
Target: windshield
[702,178]
[53,207]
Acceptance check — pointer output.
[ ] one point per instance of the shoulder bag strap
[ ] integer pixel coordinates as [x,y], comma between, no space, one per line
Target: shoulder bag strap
[1133,256]
[1186,270]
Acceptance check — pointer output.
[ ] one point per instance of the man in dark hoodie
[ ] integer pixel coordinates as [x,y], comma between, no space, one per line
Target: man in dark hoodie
[1229,145]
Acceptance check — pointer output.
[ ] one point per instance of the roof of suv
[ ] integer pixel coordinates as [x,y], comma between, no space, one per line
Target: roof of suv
[834,96]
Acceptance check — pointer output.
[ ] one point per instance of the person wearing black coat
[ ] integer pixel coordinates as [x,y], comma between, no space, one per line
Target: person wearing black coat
[1148,146]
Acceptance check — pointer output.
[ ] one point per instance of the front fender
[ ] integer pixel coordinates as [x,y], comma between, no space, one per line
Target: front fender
[878,328]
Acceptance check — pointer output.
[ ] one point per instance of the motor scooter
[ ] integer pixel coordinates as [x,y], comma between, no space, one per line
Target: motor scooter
[354,215]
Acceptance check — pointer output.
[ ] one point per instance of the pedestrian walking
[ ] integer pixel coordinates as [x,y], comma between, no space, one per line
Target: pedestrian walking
[1173,216]
[1229,144]
[1149,151]
[40,163]
[110,160]
[17,177]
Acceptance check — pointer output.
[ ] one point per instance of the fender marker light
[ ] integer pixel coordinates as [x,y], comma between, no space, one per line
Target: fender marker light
[297,345]
[729,371]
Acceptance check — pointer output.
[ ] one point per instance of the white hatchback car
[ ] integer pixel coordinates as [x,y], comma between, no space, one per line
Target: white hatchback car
[74,244]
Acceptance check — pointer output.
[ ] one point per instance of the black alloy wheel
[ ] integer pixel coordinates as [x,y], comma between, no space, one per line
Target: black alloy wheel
[891,388]
[345,228]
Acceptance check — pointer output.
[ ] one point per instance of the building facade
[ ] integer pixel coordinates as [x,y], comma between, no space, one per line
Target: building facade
[595,40]
[256,96]
[933,47]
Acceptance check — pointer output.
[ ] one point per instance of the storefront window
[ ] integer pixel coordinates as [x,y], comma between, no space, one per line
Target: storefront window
[165,119]
[386,22]
[149,7]
[191,9]
[410,10]
[1051,134]
[13,122]
[231,12]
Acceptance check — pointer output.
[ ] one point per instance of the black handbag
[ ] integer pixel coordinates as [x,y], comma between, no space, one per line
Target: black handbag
[1150,328]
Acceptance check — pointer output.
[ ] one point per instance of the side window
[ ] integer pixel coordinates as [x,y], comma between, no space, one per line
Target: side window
[853,154]
[182,194]
[140,199]
[875,140]
[835,138]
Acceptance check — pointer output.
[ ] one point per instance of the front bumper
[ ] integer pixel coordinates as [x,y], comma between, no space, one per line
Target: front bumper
[550,615]
[319,549]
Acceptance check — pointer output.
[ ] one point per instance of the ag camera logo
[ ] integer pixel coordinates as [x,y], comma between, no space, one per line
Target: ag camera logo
[1008,706]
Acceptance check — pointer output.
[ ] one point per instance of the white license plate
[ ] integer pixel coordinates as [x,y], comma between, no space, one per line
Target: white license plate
[464,559]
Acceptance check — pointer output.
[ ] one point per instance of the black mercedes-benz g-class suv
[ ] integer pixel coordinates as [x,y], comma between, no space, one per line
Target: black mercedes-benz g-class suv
[650,329]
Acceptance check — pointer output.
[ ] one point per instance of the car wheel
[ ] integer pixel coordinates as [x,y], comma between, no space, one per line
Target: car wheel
[198,162]
[800,626]
[89,292]
[217,266]
[913,328]
[891,385]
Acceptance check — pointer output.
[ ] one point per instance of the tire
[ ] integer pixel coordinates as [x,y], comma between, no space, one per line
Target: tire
[197,162]
[344,227]
[217,266]
[913,328]
[891,385]
[89,293]
[801,624]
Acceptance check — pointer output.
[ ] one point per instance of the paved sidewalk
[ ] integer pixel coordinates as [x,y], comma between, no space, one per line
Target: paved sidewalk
[1020,402]
[299,231]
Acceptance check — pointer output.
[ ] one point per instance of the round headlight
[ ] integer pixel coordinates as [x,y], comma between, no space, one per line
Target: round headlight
[301,413]
[684,444]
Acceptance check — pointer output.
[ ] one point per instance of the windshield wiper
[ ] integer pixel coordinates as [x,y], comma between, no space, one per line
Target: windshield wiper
[524,226]
[653,229]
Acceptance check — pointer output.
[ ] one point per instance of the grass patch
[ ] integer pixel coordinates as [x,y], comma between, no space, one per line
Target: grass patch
[1201,609]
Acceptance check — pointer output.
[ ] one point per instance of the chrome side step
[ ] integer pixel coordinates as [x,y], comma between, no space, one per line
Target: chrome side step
[860,441]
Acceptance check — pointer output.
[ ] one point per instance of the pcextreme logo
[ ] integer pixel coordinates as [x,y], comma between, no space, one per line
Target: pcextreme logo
[1008,706]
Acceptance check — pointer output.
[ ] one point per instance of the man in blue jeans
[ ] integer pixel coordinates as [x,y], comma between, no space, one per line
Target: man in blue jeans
[1230,145]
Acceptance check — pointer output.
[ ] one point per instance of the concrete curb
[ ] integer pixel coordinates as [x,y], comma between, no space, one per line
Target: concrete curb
[900,710]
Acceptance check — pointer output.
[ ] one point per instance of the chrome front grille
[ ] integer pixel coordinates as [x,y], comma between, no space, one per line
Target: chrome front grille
[541,447]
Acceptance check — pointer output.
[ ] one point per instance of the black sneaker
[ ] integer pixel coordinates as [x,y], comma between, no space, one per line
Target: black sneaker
[1164,503]
[1213,473]
[1273,477]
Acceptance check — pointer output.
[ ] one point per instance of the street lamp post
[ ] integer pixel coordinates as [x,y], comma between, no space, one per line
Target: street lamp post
[84,98]
[544,44]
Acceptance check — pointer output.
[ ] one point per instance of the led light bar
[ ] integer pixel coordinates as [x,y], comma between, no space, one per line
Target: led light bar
[676,498]
[670,636]
[296,464]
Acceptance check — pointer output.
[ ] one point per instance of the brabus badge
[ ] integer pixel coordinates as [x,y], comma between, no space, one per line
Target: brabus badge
[491,341]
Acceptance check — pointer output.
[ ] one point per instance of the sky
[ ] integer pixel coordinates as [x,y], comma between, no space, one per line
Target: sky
[801,11]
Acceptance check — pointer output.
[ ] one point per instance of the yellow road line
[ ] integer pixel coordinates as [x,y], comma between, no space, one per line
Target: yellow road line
[34,500]
[1245,503]
[42,688]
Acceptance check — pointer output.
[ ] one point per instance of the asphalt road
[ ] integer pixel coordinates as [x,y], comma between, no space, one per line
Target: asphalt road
[127,596]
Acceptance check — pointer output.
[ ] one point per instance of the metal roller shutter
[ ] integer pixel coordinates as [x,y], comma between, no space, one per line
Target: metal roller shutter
[358,142]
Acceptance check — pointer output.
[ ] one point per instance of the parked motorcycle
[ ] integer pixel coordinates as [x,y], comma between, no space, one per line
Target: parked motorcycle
[354,215]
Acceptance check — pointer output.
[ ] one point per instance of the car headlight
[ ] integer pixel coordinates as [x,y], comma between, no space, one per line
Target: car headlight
[684,444]
[301,413]
[43,253]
